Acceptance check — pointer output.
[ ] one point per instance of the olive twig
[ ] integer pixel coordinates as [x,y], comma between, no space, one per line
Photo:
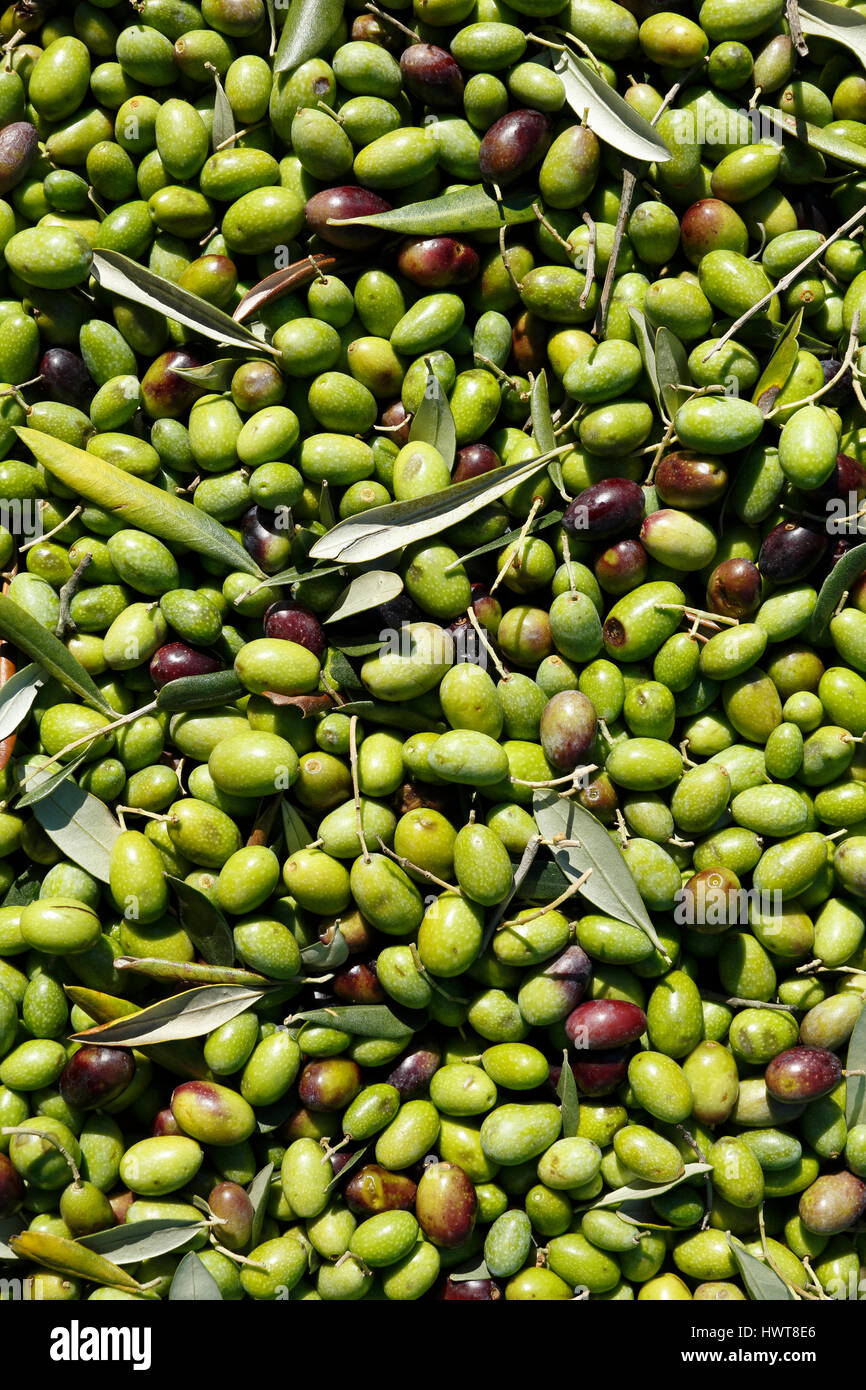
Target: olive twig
[76,511]
[65,625]
[820,1295]
[389,19]
[735,1002]
[548,227]
[503,674]
[621,827]
[265,820]
[845,364]
[50,1139]
[566,557]
[573,888]
[708,1177]
[792,1288]
[795,28]
[517,550]
[88,738]
[416,868]
[589,273]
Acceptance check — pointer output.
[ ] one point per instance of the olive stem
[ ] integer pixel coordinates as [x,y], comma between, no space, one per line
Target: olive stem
[53,532]
[691,612]
[785,282]
[575,887]
[425,873]
[503,674]
[589,273]
[515,556]
[737,1003]
[89,738]
[820,1295]
[548,227]
[65,626]
[526,861]
[622,828]
[792,14]
[389,19]
[577,775]
[492,367]
[51,1139]
[566,557]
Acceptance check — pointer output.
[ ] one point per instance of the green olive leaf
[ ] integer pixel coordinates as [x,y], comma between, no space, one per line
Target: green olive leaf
[855,1086]
[566,1089]
[295,833]
[104,1008]
[433,422]
[18,696]
[69,1257]
[365,591]
[25,888]
[543,882]
[473,1268]
[327,515]
[610,886]
[192,1282]
[383,530]
[832,22]
[762,1283]
[136,503]
[638,1189]
[833,146]
[354,1162]
[200,692]
[361,1020]
[143,1240]
[258,1194]
[119,275]
[308,27]
[842,576]
[203,923]
[470,209]
[780,365]
[30,637]
[607,114]
[646,347]
[189,1015]
[543,431]
[224,129]
[44,782]
[81,826]
[326,955]
[672,371]
[190,972]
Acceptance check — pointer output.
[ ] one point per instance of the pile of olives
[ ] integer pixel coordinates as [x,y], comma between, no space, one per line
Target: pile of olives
[437,1052]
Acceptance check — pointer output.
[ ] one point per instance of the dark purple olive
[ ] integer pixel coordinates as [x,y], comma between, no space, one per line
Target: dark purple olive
[11,1189]
[529,343]
[445,1205]
[292,623]
[846,484]
[473,460]
[513,145]
[267,538]
[411,1076]
[163,392]
[256,385]
[373,1189]
[65,377]
[366,28]
[230,1203]
[349,200]
[802,1074]
[469,1291]
[397,421]
[95,1075]
[568,728]
[431,75]
[437,262]
[599,796]
[176,660]
[329,1083]
[791,551]
[686,480]
[839,394]
[600,1073]
[605,509]
[358,984]
[622,566]
[18,144]
[604,1023]
[164,1123]
[734,588]
[833,1203]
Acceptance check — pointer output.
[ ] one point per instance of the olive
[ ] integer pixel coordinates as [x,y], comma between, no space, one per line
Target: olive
[605,509]
[791,551]
[95,1075]
[513,145]
[432,76]
[332,205]
[177,660]
[734,588]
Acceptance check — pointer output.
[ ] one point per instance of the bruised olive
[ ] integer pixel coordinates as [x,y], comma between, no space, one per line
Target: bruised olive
[411,1076]
[18,144]
[11,1189]
[374,1188]
[329,1084]
[622,566]
[734,588]
[802,1074]
[473,460]
[164,394]
[605,1023]
[686,480]
[358,984]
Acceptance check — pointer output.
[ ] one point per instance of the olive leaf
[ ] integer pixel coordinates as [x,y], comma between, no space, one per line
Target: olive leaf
[473,1268]
[548,519]
[366,591]
[542,428]
[647,350]
[384,529]
[119,275]
[361,1020]
[672,370]
[433,422]
[25,888]
[610,886]
[780,365]
[258,1195]
[354,1162]
[467,210]
[280,282]
[104,1008]
[566,1089]
[43,783]
[391,716]
[30,637]
[845,27]
[326,955]
[833,146]
[295,833]
[81,826]
[637,1189]
[203,923]
[223,117]
[842,576]
[192,1282]
[70,1257]
[762,1283]
[188,1015]
[18,696]
[200,692]
[136,503]
[143,1240]
[327,515]
[213,376]
[855,1086]
[270,6]
[308,27]
[606,113]
[189,972]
